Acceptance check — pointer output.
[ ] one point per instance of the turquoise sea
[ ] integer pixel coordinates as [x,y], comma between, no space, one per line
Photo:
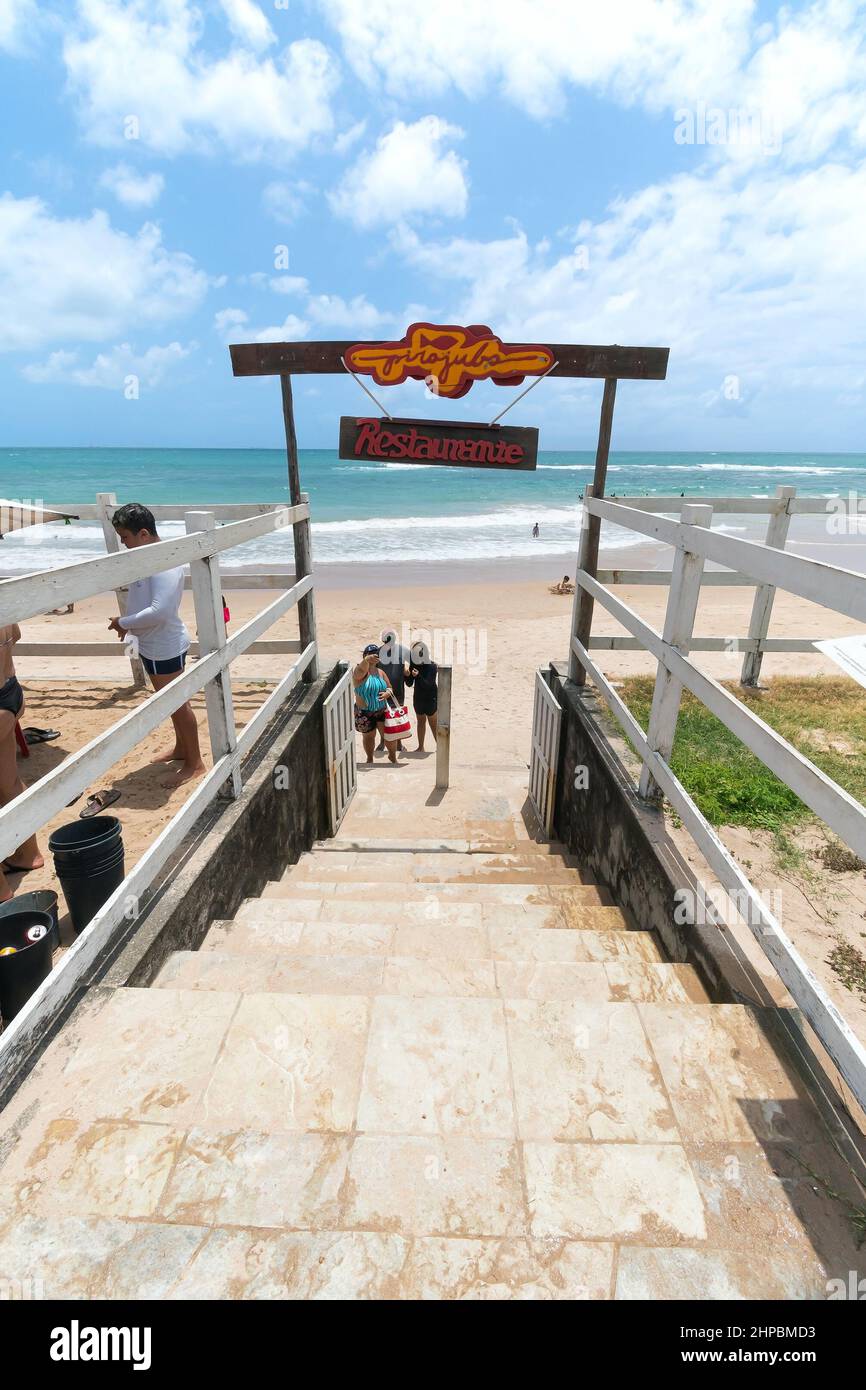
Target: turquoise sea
[385,512]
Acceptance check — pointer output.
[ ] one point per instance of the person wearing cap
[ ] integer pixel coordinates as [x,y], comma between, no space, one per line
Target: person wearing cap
[371,688]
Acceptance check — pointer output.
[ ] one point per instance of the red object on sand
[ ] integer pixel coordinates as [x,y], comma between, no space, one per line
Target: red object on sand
[21,741]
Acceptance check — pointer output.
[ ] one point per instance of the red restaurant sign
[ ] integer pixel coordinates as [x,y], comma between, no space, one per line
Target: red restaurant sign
[449,359]
[438,441]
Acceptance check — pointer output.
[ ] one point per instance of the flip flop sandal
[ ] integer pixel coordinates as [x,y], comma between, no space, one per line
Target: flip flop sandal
[98,802]
[41,735]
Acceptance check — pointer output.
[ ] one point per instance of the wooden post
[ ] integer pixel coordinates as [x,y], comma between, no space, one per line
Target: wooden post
[584,608]
[107,503]
[679,624]
[210,623]
[576,672]
[301,531]
[762,606]
[443,727]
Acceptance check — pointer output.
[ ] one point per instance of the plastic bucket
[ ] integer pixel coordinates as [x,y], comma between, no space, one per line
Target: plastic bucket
[25,958]
[42,900]
[88,860]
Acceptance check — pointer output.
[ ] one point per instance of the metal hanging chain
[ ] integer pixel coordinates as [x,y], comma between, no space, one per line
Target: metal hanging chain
[523,393]
[366,392]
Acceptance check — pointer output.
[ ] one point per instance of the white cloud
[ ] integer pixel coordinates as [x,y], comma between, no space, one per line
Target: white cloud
[233,326]
[248,23]
[320,312]
[742,277]
[146,61]
[347,138]
[110,369]
[353,316]
[18,19]
[132,189]
[229,324]
[288,284]
[802,77]
[286,201]
[65,279]
[659,52]
[407,174]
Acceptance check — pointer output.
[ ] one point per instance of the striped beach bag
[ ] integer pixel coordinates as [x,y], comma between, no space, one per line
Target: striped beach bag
[397,724]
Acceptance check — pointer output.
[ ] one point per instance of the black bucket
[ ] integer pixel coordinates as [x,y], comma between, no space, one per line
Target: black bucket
[29,936]
[42,900]
[88,860]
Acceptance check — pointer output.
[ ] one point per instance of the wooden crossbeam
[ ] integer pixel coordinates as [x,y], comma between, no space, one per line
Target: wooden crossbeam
[572,359]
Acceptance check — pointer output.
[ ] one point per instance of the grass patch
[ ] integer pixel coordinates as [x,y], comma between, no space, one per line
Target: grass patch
[824,717]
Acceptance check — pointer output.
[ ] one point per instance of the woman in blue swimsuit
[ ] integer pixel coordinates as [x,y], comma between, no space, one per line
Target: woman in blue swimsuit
[372,688]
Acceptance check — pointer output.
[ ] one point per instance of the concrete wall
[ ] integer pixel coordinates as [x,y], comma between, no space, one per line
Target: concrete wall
[250,840]
[622,841]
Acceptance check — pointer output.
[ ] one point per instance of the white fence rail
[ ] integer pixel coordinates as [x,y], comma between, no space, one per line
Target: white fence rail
[101,511]
[779,509]
[841,590]
[34,594]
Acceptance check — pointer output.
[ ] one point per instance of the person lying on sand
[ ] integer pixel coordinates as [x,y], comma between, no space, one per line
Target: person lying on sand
[26,857]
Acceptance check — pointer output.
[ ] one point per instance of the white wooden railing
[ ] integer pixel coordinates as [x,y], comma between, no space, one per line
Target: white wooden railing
[101,510]
[34,594]
[755,643]
[842,591]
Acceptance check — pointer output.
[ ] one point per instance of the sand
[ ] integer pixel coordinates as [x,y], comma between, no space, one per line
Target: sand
[495,632]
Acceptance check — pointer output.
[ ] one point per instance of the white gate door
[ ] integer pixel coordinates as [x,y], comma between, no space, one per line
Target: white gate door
[340,765]
[546,719]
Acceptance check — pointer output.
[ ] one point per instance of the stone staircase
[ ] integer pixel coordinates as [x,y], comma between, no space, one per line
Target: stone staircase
[422,1069]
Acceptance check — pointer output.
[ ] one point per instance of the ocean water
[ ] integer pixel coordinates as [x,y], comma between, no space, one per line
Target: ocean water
[374,513]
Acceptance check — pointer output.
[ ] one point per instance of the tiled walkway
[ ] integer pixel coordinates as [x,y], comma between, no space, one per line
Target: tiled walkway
[421,1068]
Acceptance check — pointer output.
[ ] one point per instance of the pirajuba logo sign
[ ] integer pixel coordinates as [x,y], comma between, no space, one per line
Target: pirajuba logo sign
[77,1343]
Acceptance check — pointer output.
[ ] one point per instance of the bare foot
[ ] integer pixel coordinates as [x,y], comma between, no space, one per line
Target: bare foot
[173,757]
[184,774]
[24,863]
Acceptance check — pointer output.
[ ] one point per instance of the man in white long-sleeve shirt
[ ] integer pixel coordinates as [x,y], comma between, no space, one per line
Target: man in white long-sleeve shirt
[154,617]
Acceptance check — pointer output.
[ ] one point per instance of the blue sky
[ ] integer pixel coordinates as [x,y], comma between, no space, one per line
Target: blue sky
[688,174]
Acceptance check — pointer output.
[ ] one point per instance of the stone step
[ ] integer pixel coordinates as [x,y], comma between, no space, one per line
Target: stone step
[485,845]
[462,870]
[503,859]
[425,859]
[503,893]
[389,907]
[440,976]
[275,934]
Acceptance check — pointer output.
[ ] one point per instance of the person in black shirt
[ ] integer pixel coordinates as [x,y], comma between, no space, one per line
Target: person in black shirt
[422,676]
